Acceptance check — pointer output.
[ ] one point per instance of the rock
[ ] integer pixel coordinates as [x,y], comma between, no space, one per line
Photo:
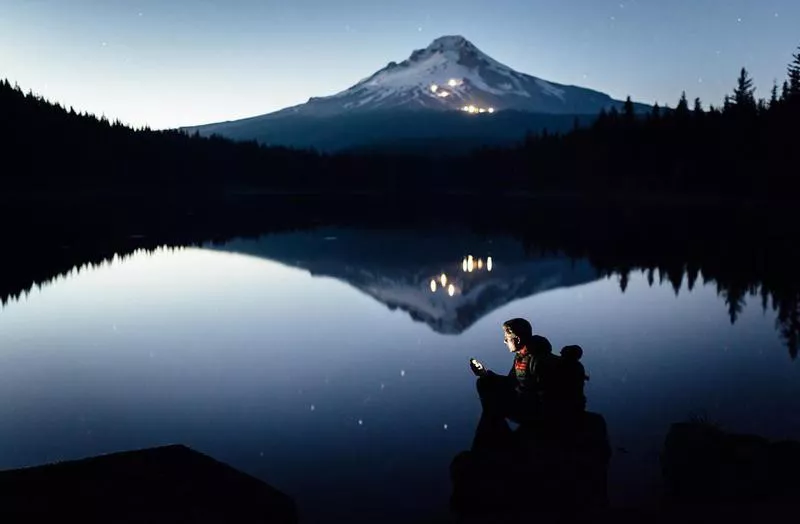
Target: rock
[165,484]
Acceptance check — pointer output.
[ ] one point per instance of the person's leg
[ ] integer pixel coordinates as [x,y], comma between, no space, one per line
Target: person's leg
[493,432]
[496,393]
[525,409]
[492,435]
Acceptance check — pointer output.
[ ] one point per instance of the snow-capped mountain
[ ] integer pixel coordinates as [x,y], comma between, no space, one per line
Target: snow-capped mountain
[406,274]
[453,74]
[447,81]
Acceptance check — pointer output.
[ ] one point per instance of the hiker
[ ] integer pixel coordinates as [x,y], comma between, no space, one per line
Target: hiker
[517,395]
[539,383]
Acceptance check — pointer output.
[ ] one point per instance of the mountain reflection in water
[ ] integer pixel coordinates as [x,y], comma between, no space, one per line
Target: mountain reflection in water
[425,276]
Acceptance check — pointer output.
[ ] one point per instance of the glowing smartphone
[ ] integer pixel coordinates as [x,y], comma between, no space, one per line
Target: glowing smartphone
[476,364]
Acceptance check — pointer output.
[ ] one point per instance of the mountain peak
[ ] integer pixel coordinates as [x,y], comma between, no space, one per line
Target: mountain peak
[450,74]
[450,42]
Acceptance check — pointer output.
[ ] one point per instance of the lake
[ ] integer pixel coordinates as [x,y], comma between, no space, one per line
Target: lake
[333,363]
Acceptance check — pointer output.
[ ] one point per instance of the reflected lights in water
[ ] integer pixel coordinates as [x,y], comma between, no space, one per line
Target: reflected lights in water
[469,264]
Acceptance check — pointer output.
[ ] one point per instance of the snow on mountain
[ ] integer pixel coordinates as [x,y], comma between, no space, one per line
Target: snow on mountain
[453,74]
[426,96]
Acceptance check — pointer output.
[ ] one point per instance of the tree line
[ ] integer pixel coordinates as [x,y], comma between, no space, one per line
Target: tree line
[744,146]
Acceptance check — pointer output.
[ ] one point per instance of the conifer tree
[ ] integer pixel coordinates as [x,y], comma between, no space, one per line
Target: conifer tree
[629,111]
[794,76]
[655,114]
[773,98]
[682,111]
[744,94]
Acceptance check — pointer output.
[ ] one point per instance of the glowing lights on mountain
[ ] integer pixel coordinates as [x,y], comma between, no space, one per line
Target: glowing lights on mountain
[451,290]
[489,264]
[471,109]
[480,263]
[470,263]
[433,286]
[464,265]
[454,83]
[443,279]
[439,92]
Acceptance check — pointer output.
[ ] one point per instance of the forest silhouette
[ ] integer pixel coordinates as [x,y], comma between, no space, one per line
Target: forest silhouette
[743,147]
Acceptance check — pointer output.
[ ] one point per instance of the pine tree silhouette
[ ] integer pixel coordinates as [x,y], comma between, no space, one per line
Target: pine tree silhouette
[794,77]
[788,323]
[629,111]
[773,94]
[682,110]
[744,94]
[655,114]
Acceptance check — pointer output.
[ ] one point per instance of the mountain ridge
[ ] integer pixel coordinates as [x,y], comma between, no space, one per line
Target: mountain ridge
[450,75]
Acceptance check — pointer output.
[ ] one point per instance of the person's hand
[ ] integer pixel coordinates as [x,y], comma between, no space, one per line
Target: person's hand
[477,368]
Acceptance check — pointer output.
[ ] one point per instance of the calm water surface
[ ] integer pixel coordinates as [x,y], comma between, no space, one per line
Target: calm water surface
[324,363]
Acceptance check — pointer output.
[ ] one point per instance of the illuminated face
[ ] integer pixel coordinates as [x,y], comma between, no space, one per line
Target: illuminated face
[511,341]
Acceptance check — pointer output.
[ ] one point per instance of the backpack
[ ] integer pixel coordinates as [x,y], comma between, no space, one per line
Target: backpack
[569,379]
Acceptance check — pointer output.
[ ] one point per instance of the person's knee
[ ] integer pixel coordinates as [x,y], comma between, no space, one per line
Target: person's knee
[484,385]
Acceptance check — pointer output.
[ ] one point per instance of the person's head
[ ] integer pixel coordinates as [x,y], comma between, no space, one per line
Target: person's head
[517,334]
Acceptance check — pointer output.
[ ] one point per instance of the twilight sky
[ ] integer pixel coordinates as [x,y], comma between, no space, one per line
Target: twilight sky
[181,62]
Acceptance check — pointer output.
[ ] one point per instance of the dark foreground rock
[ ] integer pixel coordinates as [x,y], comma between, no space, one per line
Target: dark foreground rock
[168,484]
[703,463]
[533,473]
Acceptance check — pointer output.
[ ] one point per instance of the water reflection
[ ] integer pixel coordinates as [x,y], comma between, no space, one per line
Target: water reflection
[458,285]
[254,350]
[537,266]
[420,274]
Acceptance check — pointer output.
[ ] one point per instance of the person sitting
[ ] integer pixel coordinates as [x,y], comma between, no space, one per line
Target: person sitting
[518,394]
